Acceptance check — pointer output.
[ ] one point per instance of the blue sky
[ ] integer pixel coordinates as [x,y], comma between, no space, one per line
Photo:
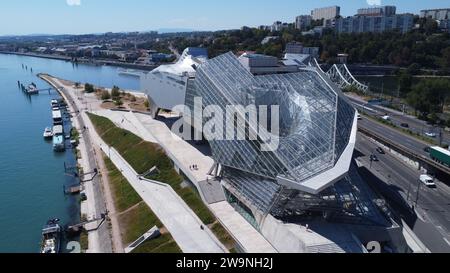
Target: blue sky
[94,16]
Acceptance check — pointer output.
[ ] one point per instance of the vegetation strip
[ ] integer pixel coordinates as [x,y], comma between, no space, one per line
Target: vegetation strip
[135,217]
[143,156]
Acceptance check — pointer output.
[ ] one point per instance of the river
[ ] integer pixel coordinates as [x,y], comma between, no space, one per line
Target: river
[32,176]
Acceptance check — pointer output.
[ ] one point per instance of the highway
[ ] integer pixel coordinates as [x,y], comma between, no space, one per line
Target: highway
[415,125]
[407,141]
[399,184]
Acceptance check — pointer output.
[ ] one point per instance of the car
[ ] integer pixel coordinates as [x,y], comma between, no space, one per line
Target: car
[427,149]
[427,180]
[359,117]
[380,151]
[404,125]
[374,158]
[433,135]
[386,118]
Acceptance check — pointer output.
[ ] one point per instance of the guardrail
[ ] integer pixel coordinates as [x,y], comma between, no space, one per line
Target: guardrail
[407,152]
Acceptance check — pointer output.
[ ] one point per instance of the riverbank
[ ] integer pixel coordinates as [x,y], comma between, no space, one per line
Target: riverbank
[85,61]
[176,216]
[100,239]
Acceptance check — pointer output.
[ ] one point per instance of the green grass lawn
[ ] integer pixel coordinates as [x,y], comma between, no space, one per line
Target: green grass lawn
[223,235]
[136,221]
[124,195]
[143,156]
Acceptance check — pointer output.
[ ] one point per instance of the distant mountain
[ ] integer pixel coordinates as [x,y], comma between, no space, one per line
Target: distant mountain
[174,30]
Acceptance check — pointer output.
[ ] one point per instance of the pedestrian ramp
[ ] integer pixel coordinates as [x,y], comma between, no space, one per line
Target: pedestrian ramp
[151,234]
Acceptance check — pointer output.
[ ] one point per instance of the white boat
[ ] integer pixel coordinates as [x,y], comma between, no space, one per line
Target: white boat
[48,133]
[51,237]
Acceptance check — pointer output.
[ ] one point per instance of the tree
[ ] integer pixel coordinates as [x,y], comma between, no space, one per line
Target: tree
[429,96]
[118,102]
[89,88]
[115,93]
[405,82]
[106,95]
[445,61]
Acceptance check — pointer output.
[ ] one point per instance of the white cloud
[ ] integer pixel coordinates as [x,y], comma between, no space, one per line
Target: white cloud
[73,2]
[374,2]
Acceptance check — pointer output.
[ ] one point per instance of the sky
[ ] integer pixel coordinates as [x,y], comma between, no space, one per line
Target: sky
[23,17]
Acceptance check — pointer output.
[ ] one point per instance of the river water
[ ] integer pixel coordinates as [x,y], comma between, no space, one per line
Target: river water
[32,176]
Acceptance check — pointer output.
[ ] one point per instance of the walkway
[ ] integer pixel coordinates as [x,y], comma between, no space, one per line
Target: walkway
[185,155]
[180,220]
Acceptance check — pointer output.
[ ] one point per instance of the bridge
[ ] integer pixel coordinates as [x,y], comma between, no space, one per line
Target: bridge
[341,75]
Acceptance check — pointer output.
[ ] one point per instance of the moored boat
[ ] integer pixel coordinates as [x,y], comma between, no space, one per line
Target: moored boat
[51,237]
[48,133]
[58,143]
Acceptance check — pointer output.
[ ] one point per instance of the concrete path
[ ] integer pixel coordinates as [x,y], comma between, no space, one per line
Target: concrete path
[182,223]
[185,155]
[99,239]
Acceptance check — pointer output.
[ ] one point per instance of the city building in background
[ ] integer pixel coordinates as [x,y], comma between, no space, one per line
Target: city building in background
[279,26]
[298,48]
[376,24]
[326,13]
[302,22]
[377,11]
[436,14]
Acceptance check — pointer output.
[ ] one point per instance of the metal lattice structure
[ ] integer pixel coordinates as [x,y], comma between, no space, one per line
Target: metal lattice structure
[309,108]
[341,75]
[316,126]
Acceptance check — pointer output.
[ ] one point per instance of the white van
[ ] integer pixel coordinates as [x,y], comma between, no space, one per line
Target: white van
[427,180]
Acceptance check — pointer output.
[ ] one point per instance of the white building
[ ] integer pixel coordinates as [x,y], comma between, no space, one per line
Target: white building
[298,48]
[326,13]
[302,22]
[436,14]
[279,26]
[166,85]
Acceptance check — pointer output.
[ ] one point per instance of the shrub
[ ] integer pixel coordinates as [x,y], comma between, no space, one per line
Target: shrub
[115,92]
[106,95]
[89,88]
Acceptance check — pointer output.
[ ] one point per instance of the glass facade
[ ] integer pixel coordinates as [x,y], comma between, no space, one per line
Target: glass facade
[310,110]
[315,127]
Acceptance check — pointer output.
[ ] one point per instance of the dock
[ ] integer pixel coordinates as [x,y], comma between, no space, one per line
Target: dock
[32,89]
[73,190]
[76,229]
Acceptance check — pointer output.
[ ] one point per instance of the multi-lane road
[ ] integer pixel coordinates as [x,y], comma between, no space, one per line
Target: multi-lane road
[430,218]
[397,118]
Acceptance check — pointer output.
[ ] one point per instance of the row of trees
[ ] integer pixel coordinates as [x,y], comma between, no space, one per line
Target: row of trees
[429,98]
